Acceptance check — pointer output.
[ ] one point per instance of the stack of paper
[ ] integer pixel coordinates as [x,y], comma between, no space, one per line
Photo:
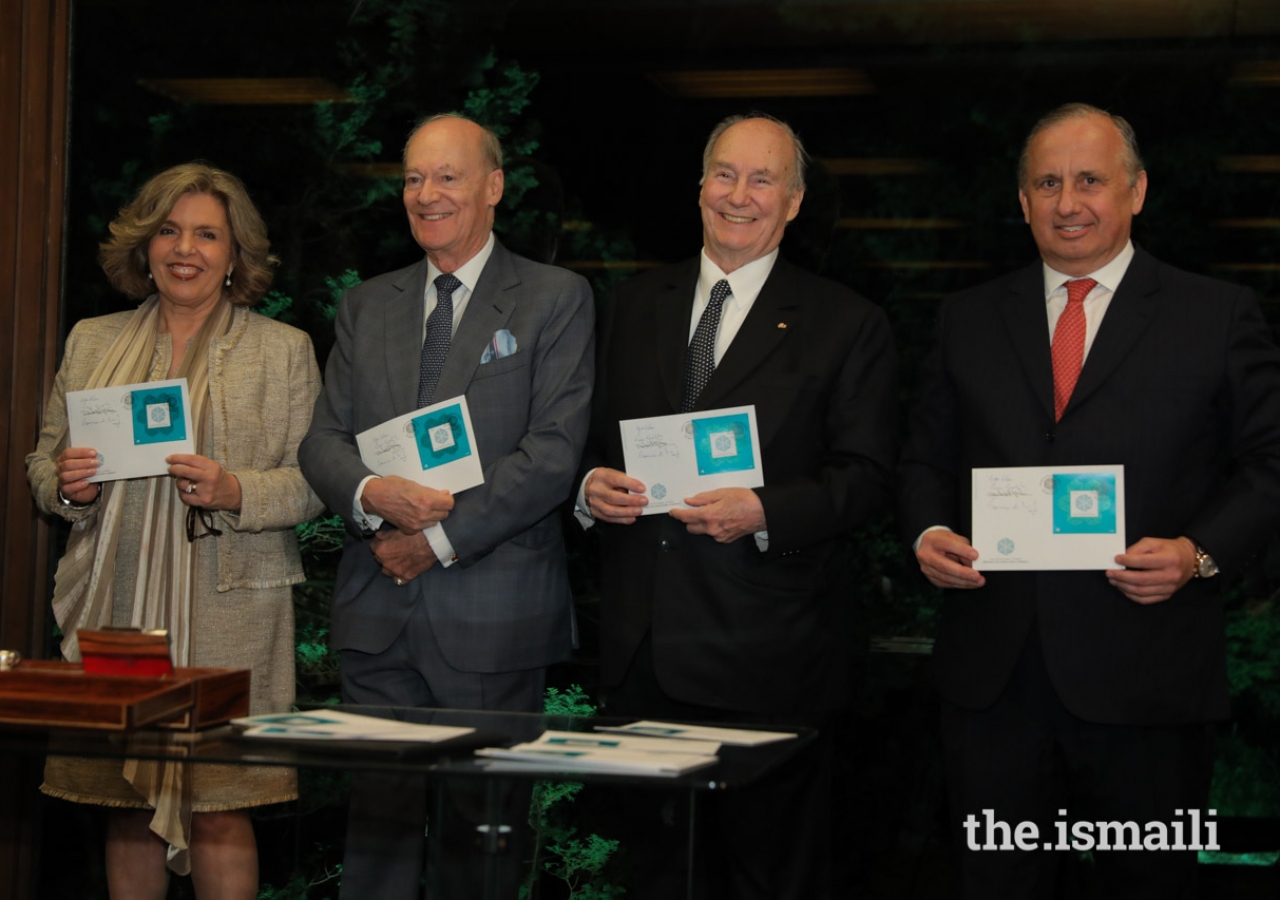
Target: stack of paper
[576,752]
[334,725]
[733,737]
[646,743]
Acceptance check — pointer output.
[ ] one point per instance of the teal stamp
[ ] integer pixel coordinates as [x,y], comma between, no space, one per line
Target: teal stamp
[1084,504]
[658,491]
[157,415]
[441,437]
[1004,546]
[723,444]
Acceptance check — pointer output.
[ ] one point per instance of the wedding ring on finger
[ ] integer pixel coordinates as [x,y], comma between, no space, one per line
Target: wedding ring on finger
[191,488]
[400,582]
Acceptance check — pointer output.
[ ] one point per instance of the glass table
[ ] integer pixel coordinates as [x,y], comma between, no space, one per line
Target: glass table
[498,793]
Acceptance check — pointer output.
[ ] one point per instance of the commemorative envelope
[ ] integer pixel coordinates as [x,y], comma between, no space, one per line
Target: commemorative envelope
[433,446]
[133,427]
[1030,518]
[685,454]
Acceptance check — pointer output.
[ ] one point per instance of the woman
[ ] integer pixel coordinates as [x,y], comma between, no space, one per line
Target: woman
[208,551]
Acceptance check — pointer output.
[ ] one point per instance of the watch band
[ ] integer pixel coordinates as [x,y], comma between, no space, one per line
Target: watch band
[1206,567]
[71,504]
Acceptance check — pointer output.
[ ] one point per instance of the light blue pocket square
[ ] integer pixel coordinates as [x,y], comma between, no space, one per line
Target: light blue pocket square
[502,345]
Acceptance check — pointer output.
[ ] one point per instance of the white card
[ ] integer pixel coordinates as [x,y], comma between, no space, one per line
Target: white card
[1038,518]
[333,724]
[733,737]
[434,446]
[685,454]
[133,427]
[616,741]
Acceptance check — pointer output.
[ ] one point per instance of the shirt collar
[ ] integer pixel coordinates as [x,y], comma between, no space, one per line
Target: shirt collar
[469,272]
[1109,276]
[745,281]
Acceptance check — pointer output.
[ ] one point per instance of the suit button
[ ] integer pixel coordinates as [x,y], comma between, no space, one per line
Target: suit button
[665,545]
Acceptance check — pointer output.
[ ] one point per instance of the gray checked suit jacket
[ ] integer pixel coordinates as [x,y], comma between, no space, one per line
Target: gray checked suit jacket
[505,605]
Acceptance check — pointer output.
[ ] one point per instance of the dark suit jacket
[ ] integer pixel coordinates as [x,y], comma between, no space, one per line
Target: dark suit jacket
[505,605]
[734,628]
[1181,386]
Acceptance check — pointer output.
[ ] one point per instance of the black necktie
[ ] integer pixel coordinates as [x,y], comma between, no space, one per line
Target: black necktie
[439,334]
[700,361]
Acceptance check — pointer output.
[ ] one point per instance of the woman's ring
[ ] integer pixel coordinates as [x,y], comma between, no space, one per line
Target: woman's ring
[400,582]
[191,488]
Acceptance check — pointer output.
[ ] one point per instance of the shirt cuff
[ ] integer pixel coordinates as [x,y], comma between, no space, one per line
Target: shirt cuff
[440,545]
[581,509]
[367,521]
[915,548]
[762,541]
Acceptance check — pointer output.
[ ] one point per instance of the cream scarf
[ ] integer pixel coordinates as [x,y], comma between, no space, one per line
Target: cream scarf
[84,585]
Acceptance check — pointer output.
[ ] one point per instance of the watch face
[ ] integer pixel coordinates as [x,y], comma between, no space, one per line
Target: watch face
[1206,566]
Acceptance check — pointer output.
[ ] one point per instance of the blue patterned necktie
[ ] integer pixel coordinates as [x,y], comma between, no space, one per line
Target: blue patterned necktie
[700,361]
[439,335]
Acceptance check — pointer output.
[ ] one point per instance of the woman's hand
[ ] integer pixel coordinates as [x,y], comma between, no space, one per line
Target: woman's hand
[203,482]
[74,465]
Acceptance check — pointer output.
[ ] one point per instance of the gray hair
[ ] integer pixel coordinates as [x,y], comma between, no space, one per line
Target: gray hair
[1132,161]
[490,146]
[801,157]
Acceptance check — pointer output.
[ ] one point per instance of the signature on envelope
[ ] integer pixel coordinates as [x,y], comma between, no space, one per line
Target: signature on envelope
[1005,492]
[649,443]
[98,412]
[387,449]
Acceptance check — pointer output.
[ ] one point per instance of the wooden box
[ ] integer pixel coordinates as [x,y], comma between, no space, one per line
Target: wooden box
[61,695]
[125,651]
[220,696]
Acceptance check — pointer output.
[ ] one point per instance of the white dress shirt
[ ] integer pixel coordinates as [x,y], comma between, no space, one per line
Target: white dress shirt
[744,286]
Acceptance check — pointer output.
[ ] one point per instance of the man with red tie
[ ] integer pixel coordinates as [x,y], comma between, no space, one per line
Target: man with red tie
[1085,696]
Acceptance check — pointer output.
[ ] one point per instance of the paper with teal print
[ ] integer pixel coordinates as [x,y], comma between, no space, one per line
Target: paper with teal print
[689,453]
[338,725]
[1044,518]
[434,446]
[1084,504]
[723,444]
[133,427]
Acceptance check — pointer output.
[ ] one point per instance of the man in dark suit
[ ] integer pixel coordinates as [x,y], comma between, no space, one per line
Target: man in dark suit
[1086,696]
[736,608]
[457,602]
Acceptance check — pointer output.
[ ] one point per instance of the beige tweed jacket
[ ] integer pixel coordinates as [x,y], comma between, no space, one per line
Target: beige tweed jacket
[263,382]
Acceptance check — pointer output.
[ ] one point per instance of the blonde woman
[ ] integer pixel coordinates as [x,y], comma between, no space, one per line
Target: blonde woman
[207,551]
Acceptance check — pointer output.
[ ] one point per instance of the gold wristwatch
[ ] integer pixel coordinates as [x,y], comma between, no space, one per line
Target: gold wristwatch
[1205,566]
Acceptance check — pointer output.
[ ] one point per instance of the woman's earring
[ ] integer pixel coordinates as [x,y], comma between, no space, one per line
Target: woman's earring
[150,277]
[228,281]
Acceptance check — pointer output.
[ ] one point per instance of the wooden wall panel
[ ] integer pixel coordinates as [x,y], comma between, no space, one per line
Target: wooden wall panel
[34,60]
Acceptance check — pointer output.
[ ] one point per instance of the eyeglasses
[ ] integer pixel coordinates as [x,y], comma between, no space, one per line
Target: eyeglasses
[206,519]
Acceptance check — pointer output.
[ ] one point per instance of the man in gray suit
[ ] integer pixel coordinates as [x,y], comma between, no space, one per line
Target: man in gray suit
[442,601]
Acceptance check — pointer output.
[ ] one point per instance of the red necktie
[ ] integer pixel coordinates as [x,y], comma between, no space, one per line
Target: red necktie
[1068,344]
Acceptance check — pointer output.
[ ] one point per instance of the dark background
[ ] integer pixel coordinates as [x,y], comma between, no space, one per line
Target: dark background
[914,113]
